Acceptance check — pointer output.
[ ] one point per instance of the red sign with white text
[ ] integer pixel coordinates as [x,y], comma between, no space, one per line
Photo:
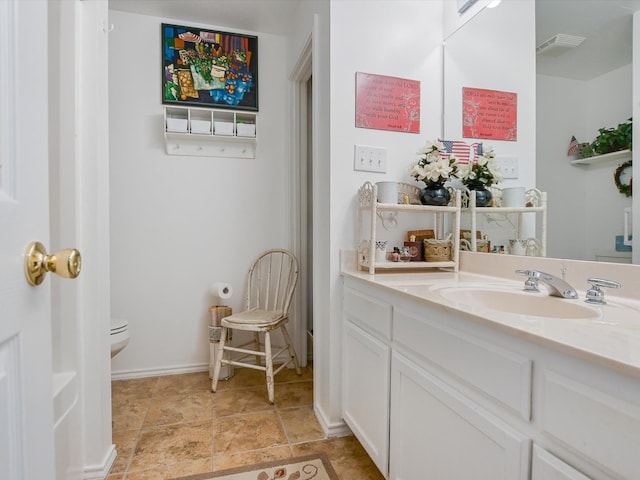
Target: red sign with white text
[387,103]
[489,114]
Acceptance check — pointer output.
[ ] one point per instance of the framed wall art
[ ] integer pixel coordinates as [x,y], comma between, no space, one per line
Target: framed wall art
[209,68]
[387,103]
[489,114]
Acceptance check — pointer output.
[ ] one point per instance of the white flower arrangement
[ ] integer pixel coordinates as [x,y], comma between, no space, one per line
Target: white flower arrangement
[431,167]
[482,172]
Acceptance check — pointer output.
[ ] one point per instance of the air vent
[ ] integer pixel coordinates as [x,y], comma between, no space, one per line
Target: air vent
[558,44]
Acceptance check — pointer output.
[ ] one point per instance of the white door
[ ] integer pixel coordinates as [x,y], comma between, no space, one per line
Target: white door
[26,410]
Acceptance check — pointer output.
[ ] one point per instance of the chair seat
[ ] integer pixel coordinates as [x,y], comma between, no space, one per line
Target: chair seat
[256,317]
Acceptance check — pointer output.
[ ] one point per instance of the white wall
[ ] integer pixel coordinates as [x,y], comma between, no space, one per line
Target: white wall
[180,223]
[403,41]
[586,209]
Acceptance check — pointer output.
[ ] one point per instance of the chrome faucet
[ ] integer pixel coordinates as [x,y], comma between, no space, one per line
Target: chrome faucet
[555,285]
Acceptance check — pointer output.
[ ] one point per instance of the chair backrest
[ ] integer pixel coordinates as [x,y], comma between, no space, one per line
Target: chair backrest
[272,279]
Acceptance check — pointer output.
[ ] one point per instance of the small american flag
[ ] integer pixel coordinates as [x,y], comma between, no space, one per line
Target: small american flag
[461,150]
[573,146]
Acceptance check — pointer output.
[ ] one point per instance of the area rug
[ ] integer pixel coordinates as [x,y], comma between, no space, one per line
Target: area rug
[316,467]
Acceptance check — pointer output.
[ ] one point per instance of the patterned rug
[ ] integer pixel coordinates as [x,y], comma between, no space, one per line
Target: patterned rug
[316,467]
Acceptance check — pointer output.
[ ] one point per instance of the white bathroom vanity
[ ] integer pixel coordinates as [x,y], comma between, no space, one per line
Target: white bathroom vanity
[436,386]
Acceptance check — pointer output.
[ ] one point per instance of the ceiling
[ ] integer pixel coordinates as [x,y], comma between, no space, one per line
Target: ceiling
[266,16]
[606,25]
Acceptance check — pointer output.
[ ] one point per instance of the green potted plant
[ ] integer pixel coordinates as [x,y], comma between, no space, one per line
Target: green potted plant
[609,140]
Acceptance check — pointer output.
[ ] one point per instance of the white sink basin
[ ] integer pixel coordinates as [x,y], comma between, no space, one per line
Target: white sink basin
[520,303]
[513,300]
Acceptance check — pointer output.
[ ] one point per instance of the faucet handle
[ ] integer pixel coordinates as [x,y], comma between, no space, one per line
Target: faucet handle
[529,273]
[531,283]
[595,295]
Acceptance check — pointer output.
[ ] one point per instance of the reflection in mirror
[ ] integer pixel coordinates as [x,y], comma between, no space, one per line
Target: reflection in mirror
[486,53]
[576,91]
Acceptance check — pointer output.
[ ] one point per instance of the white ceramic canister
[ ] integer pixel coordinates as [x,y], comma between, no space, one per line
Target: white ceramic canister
[387,192]
[381,250]
[513,197]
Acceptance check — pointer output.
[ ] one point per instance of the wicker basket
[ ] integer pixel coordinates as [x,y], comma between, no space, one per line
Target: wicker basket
[437,250]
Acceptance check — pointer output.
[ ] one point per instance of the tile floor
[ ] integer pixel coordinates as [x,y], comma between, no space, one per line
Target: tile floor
[170,426]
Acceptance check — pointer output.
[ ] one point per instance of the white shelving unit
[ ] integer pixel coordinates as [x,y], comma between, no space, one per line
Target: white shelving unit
[369,209]
[534,197]
[621,156]
[209,132]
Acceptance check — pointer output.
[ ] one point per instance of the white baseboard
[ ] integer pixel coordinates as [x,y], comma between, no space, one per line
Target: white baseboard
[331,429]
[100,472]
[158,372]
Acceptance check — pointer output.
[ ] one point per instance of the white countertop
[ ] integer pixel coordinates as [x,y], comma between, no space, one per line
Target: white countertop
[611,337]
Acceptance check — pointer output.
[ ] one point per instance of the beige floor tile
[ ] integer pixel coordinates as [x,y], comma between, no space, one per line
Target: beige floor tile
[294,394]
[189,430]
[242,378]
[223,462]
[161,446]
[137,388]
[238,401]
[183,384]
[181,469]
[125,446]
[167,410]
[241,433]
[347,456]
[128,414]
[300,424]
[290,375]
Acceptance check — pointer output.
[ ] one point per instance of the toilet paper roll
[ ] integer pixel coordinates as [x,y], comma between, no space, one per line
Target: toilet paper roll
[222,290]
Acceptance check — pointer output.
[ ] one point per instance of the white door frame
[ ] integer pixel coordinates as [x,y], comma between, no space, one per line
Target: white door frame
[298,78]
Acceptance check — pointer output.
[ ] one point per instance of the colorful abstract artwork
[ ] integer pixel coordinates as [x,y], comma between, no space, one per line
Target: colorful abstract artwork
[209,68]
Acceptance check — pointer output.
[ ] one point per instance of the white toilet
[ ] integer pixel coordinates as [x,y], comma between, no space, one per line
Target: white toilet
[119,335]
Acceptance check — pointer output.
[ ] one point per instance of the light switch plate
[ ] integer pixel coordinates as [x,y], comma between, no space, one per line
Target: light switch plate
[370,159]
[508,166]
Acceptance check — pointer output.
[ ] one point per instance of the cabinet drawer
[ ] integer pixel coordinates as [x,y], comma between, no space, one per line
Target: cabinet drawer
[502,374]
[602,428]
[545,466]
[369,313]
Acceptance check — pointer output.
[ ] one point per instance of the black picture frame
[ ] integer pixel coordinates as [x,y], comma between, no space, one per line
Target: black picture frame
[209,68]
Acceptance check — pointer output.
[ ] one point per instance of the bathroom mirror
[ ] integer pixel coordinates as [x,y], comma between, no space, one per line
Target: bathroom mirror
[563,92]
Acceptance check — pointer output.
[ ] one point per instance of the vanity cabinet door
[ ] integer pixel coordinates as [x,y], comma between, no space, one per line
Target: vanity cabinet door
[545,466]
[438,433]
[365,402]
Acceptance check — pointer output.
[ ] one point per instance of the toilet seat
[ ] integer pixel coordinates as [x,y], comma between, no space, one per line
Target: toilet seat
[118,325]
[119,335]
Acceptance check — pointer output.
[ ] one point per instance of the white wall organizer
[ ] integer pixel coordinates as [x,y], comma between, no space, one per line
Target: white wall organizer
[370,209]
[535,203]
[209,132]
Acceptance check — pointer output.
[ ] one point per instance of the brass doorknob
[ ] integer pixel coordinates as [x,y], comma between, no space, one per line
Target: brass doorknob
[37,263]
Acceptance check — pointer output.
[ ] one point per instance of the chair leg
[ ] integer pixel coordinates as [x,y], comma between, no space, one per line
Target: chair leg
[269,365]
[292,352]
[218,360]
[256,344]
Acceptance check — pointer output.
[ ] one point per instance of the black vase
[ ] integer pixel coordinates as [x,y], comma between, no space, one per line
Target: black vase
[435,194]
[483,196]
